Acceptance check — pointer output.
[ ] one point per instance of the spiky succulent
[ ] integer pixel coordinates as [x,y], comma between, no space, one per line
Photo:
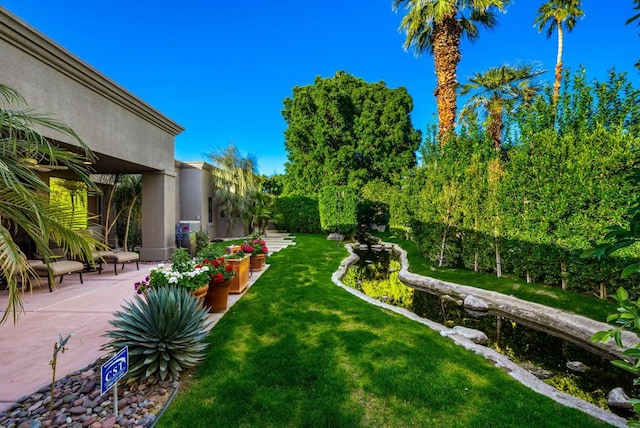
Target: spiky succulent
[164,331]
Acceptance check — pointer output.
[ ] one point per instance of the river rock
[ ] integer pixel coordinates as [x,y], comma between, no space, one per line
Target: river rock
[475,303]
[577,366]
[476,336]
[335,237]
[619,399]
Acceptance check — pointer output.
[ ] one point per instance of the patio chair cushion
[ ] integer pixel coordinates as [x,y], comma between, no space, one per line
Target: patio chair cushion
[59,268]
[122,257]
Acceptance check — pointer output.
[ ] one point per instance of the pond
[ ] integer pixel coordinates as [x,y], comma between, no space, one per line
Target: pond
[590,377]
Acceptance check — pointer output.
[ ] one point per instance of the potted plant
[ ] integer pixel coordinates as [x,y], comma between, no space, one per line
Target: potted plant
[239,261]
[256,247]
[220,273]
[182,272]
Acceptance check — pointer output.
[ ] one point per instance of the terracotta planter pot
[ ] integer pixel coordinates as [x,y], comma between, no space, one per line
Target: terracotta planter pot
[217,296]
[241,280]
[257,262]
[201,292]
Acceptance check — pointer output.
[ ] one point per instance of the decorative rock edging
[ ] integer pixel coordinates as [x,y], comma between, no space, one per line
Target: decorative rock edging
[498,359]
[79,404]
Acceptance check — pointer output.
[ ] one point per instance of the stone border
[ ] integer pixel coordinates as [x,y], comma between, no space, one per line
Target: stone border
[498,359]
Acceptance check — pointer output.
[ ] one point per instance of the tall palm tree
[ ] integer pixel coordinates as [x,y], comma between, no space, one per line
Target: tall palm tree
[24,194]
[235,179]
[436,27]
[498,89]
[635,18]
[557,15]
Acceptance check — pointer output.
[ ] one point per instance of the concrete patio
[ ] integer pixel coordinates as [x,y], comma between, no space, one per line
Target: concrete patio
[84,310]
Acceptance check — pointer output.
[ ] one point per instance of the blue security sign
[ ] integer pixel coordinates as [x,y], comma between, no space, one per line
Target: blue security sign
[114,369]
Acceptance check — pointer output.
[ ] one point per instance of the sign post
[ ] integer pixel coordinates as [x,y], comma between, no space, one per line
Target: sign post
[111,372]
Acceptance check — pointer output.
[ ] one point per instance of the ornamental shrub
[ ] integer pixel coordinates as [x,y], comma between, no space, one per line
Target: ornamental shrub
[297,214]
[165,333]
[338,209]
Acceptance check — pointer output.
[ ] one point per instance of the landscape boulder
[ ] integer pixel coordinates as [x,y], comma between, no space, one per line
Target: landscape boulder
[619,399]
[475,303]
[476,336]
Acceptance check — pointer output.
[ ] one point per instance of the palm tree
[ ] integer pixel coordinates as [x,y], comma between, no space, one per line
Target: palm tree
[261,210]
[554,15]
[498,89]
[635,18]
[436,27]
[235,179]
[24,194]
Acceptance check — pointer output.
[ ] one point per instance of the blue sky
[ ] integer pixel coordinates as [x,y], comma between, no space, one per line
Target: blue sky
[223,69]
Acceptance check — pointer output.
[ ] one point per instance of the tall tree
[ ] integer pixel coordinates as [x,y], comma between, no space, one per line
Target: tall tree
[437,27]
[235,179]
[497,90]
[555,15]
[25,152]
[345,131]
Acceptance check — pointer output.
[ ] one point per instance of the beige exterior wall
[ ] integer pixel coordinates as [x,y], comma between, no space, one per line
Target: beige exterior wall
[192,200]
[126,134]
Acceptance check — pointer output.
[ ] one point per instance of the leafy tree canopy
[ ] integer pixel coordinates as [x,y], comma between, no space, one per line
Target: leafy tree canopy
[345,131]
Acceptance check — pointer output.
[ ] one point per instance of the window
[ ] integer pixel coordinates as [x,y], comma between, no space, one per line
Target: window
[210,208]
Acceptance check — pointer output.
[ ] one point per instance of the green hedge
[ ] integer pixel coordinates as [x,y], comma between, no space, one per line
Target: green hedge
[297,214]
[542,263]
[338,209]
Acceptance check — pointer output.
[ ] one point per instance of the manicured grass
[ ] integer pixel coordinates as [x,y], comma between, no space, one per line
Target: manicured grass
[588,306]
[298,351]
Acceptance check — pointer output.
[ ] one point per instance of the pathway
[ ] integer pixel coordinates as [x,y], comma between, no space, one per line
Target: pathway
[82,309]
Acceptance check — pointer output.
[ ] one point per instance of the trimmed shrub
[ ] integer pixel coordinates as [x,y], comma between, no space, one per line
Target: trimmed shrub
[297,214]
[338,209]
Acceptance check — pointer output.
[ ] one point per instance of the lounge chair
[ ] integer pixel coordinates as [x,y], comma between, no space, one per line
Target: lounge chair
[121,257]
[58,268]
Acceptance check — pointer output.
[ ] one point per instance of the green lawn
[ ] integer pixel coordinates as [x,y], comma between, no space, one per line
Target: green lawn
[555,297]
[298,351]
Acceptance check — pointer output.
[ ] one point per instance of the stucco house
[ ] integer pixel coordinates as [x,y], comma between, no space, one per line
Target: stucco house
[127,135]
[196,201]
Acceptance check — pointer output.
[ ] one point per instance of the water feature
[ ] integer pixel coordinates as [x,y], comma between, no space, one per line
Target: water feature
[560,363]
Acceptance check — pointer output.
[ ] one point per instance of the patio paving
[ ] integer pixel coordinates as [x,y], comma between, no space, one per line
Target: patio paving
[84,310]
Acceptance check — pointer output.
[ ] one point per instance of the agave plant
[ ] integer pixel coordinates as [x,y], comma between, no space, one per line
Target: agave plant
[164,331]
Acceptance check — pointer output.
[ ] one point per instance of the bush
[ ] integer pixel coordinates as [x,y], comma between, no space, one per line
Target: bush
[202,240]
[210,252]
[338,209]
[165,333]
[297,214]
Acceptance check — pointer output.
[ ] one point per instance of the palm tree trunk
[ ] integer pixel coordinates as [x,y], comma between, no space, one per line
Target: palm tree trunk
[446,55]
[495,127]
[558,76]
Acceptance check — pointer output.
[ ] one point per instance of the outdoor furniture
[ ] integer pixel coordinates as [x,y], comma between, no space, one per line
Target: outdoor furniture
[59,268]
[121,258]
[99,257]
